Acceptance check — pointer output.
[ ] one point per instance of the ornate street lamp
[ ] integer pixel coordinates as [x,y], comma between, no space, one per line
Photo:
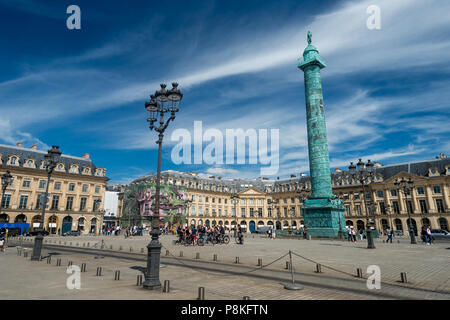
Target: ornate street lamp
[7,178]
[50,161]
[304,194]
[234,198]
[273,206]
[407,187]
[364,174]
[163,101]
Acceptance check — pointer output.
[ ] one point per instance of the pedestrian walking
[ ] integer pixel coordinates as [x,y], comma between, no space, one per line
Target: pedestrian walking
[429,238]
[390,233]
[353,234]
[361,234]
[2,244]
[349,233]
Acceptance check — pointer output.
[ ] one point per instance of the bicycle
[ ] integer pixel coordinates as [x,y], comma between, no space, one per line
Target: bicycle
[224,239]
[209,238]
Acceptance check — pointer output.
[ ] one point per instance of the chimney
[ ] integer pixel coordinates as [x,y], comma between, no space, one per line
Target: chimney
[33,147]
[20,144]
[86,155]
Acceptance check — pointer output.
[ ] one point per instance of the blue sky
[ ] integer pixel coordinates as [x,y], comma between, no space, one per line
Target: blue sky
[385,91]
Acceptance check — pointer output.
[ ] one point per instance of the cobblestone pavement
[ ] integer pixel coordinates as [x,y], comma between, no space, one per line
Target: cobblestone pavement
[426,268]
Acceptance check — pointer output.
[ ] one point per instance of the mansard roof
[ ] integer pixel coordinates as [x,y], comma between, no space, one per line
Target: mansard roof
[419,168]
[38,155]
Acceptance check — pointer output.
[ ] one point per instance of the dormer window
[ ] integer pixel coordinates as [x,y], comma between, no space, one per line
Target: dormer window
[74,169]
[433,172]
[30,163]
[13,160]
[60,166]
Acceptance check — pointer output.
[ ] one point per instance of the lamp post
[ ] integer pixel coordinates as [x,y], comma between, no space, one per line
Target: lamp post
[273,205]
[7,178]
[407,187]
[362,172]
[340,233]
[304,194]
[234,198]
[50,160]
[163,101]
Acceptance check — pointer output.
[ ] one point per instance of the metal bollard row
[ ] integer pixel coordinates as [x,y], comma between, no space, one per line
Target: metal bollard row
[58,262]
[83,267]
[99,271]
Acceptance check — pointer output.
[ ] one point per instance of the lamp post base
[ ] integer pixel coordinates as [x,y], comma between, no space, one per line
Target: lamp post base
[153,264]
[370,243]
[37,248]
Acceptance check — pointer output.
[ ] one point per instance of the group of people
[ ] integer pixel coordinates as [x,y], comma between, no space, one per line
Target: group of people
[351,234]
[111,231]
[426,235]
[202,232]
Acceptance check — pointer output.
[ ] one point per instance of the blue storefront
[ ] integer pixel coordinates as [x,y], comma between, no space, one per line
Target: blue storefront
[23,227]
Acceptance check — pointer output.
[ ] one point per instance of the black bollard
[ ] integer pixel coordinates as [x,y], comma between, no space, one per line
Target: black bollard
[236,260]
[166,286]
[117,275]
[259,262]
[201,293]
[70,263]
[167,252]
[58,262]
[131,249]
[49,260]
[403,277]
[197,255]
[215,257]
[318,268]
[99,271]
[83,267]
[359,273]
[139,280]
[287,265]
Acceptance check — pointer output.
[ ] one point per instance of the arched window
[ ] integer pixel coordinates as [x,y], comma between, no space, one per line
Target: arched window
[398,225]
[443,224]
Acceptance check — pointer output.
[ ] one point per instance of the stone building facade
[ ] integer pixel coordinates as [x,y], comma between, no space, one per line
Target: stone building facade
[264,202]
[76,191]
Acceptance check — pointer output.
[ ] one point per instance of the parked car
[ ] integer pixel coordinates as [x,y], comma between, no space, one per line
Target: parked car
[261,230]
[35,233]
[437,234]
[72,233]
